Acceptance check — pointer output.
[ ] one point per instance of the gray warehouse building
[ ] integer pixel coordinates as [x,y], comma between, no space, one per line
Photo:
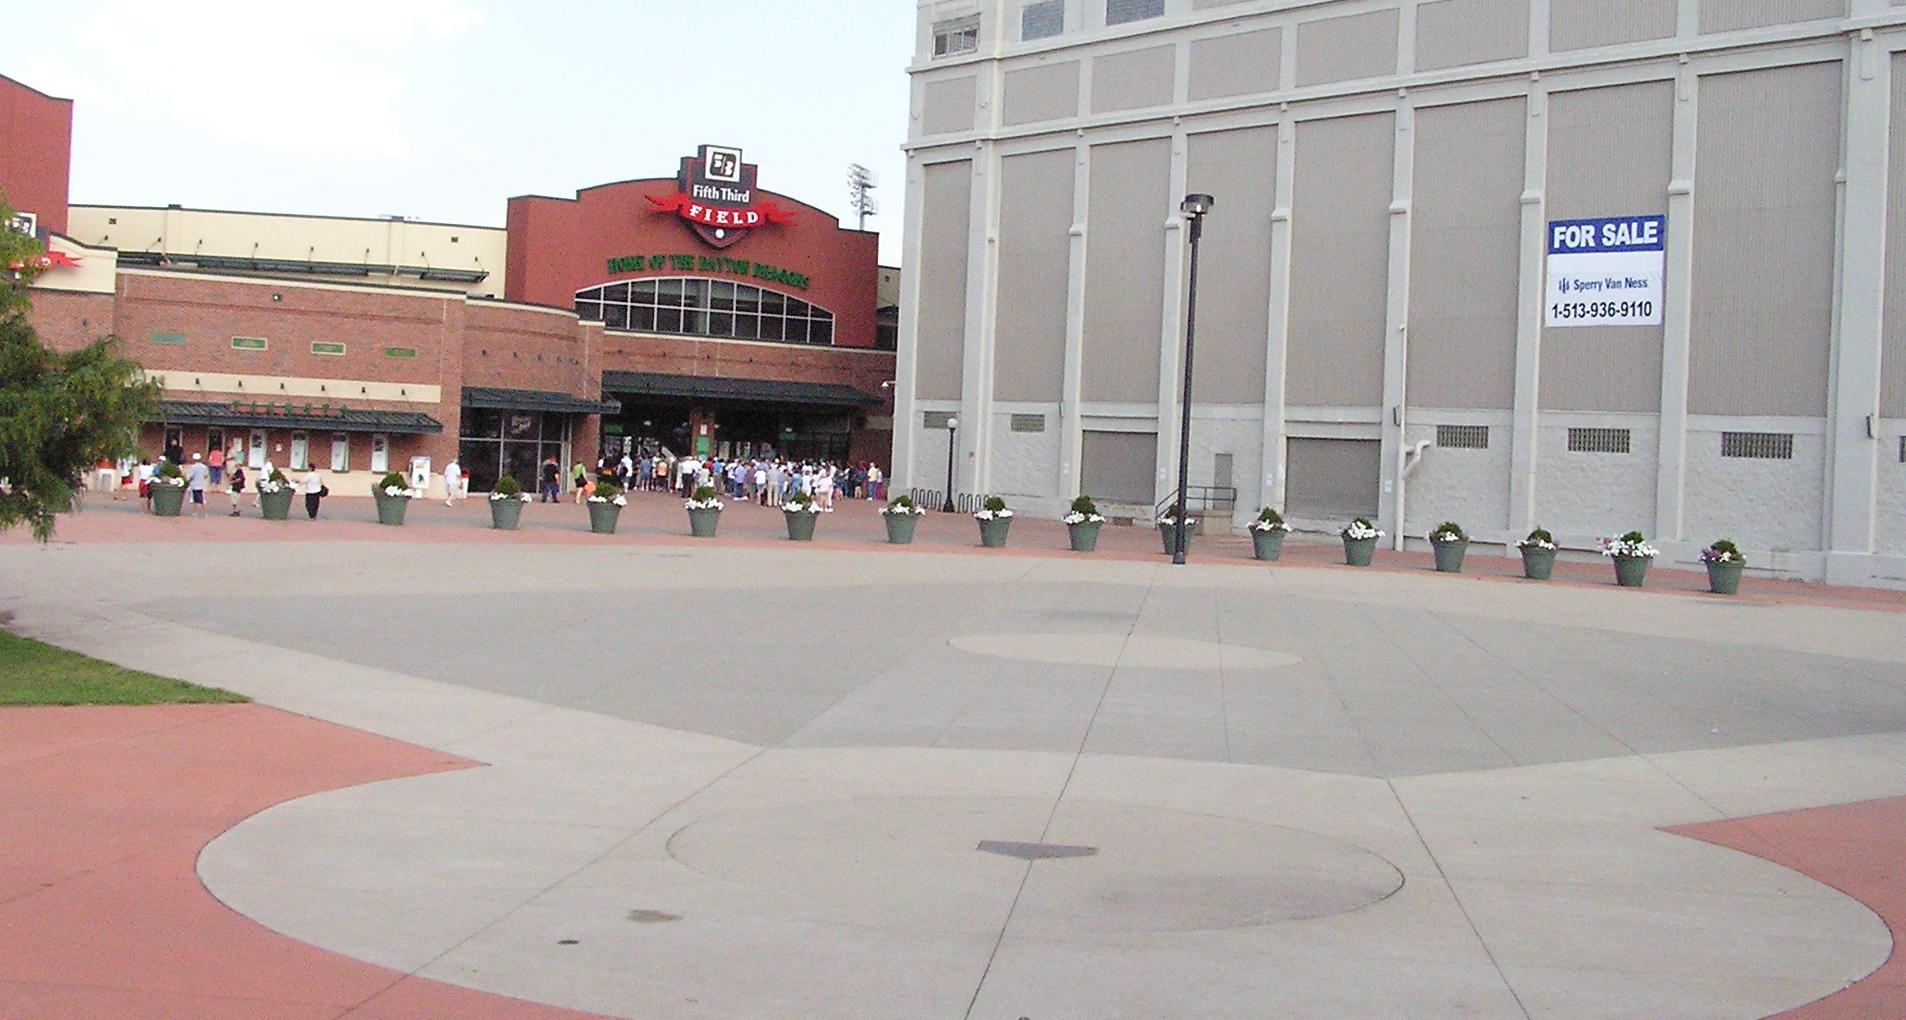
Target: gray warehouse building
[1597,265]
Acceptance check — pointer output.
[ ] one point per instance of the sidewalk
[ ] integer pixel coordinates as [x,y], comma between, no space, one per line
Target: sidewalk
[102,914]
[856,525]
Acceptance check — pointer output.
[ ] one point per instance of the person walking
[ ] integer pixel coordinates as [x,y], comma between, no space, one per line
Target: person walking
[452,482]
[197,478]
[552,481]
[314,492]
[143,474]
[236,486]
[216,462]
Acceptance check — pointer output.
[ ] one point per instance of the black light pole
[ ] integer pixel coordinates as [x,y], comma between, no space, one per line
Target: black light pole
[1194,208]
[952,444]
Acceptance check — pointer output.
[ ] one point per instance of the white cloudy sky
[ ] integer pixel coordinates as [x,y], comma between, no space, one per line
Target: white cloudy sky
[442,109]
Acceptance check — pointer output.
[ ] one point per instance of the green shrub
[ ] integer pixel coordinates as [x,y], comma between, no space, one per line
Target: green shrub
[1270,516]
[606,490]
[1084,505]
[508,486]
[901,503]
[1538,537]
[800,501]
[995,504]
[167,469]
[393,479]
[704,493]
[1448,528]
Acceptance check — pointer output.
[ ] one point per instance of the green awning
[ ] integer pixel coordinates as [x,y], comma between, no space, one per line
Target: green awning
[314,417]
[492,398]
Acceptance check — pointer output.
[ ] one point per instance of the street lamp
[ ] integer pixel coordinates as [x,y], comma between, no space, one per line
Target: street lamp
[952,444]
[1194,208]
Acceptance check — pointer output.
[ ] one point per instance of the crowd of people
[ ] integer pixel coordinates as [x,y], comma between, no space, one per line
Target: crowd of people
[205,477]
[769,481]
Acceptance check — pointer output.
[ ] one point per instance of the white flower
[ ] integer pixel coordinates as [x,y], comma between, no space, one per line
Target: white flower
[704,504]
[1078,518]
[1170,521]
[398,492]
[168,480]
[1447,536]
[622,501]
[809,508]
[1539,543]
[988,515]
[1625,549]
[268,487]
[915,510]
[1358,531]
[1269,526]
[618,501]
[494,496]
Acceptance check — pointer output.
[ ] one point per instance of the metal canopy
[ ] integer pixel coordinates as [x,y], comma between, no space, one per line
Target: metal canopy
[316,417]
[492,398]
[773,391]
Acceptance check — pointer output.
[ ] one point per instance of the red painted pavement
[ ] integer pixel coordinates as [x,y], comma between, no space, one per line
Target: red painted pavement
[1859,849]
[103,812]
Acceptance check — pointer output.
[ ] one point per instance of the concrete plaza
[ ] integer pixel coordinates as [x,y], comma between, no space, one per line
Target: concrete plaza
[751,779]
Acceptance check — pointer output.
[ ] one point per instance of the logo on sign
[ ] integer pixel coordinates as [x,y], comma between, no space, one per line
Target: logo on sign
[717,197]
[24,223]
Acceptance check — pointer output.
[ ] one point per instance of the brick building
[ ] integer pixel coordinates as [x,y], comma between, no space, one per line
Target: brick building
[633,315]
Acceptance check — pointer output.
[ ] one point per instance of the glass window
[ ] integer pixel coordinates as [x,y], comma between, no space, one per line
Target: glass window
[772,303]
[591,310]
[642,292]
[721,295]
[668,320]
[616,292]
[695,306]
[668,292]
[615,316]
[642,318]
[721,324]
[520,425]
[482,423]
[747,299]
[771,327]
[820,331]
[747,327]
[960,35]
[694,293]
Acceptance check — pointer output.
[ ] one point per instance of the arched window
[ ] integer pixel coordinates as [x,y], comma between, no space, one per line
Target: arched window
[695,306]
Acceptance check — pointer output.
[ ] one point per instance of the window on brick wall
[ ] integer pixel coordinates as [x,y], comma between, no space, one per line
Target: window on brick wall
[960,35]
[1118,12]
[1042,20]
[1463,437]
[1757,445]
[1598,440]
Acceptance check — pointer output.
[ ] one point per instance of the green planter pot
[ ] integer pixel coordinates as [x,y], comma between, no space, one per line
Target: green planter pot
[1725,578]
[1537,563]
[703,523]
[1267,546]
[992,534]
[1084,536]
[1358,552]
[602,517]
[390,509]
[505,513]
[276,506]
[1449,556]
[800,525]
[900,528]
[167,499]
[1168,537]
[1631,571]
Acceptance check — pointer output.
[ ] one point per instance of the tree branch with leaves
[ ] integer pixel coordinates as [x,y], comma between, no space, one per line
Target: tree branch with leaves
[60,412]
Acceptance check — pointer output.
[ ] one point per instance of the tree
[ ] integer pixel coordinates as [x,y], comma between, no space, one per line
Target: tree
[59,412]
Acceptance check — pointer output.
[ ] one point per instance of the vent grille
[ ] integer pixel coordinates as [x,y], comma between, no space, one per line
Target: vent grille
[1463,437]
[1118,12]
[1029,423]
[1042,20]
[938,419]
[1599,440]
[1757,445]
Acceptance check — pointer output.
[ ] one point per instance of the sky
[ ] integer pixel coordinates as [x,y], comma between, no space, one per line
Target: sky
[443,109]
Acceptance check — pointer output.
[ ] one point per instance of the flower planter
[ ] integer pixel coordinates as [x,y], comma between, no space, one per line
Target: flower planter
[1725,578]
[992,534]
[390,509]
[1168,537]
[1267,546]
[505,513]
[167,499]
[603,516]
[703,523]
[1084,535]
[1631,571]
[1537,563]
[276,506]
[900,528]
[1449,556]
[1358,552]
[800,525]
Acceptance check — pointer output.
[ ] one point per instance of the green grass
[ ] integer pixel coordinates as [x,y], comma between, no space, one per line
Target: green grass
[33,673]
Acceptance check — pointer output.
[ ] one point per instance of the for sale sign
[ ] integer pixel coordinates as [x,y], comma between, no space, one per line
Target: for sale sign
[1607,272]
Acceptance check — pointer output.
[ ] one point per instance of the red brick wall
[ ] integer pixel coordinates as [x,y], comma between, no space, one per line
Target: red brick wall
[559,246]
[36,152]
[68,321]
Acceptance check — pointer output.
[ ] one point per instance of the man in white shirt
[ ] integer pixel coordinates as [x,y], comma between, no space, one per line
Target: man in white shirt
[197,478]
[452,482]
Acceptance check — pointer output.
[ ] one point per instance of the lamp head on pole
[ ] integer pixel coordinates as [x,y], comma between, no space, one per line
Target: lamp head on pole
[1196,206]
[953,423]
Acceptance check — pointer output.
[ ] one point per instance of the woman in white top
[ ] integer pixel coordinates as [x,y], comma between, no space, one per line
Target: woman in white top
[314,492]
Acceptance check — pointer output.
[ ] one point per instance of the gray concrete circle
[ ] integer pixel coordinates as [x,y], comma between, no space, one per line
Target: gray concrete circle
[1156,869]
[1131,651]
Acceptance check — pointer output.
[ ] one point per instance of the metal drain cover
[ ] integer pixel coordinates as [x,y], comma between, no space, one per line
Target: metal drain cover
[1036,851]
